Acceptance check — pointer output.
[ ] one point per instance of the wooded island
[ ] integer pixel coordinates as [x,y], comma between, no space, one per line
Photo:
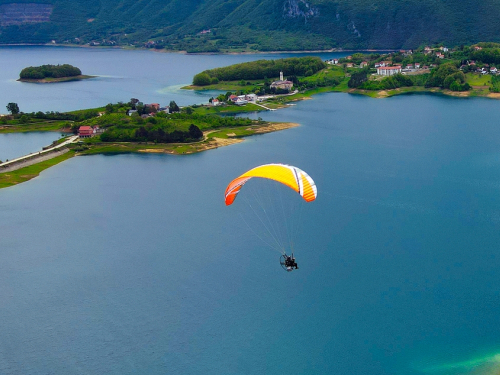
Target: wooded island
[51,73]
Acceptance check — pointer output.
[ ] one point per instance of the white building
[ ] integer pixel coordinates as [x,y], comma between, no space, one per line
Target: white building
[282,84]
[239,100]
[251,97]
[388,70]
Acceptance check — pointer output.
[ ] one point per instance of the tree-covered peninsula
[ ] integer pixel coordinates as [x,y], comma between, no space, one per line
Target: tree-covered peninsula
[261,69]
[460,71]
[124,127]
[51,73]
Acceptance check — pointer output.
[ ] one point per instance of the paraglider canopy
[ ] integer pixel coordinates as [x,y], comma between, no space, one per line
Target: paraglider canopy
[288,175]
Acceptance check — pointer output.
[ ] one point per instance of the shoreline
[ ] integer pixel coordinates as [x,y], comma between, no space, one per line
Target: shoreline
[331,50]
[56,80]
[383,94]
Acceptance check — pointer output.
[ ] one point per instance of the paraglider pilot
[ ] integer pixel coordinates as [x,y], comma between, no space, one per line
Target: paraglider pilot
[290,262]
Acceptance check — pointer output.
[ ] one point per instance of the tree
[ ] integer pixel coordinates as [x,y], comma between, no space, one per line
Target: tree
[195,132]
[13,108]
[357,79]
[109,108]
[202,79]
[133,102]
[141,109]
[173,107]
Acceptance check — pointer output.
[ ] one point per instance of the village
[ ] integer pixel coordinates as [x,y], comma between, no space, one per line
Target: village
[390,67]
[282,86]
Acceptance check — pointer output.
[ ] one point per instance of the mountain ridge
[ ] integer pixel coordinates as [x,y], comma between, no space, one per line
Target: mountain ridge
[225,25]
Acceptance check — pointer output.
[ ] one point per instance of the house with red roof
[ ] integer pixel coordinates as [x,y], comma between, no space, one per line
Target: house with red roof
[85,132]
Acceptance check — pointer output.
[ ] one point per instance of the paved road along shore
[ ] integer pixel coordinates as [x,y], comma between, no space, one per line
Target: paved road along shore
[34,158]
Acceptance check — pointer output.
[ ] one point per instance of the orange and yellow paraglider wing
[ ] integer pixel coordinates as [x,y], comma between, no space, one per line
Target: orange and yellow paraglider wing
[292,177]
[309,192]
[276,172]
[234,188]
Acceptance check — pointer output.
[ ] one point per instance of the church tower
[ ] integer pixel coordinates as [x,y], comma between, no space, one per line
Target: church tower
[281,76]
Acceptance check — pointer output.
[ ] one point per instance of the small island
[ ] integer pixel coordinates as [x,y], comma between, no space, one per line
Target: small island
[52,74]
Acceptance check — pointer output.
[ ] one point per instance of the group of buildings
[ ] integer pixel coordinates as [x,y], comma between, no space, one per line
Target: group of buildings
[485,69]
[386,68]
[237,99]
[150,108]
[281,84]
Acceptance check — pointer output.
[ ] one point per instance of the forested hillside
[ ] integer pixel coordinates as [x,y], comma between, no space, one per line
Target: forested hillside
[221,25]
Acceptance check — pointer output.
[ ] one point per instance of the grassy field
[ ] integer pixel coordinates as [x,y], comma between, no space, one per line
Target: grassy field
[27,173]
[227,109]
[475,79]
[307,94]
[329,72]
[342,86]
[234,133]
[43,126]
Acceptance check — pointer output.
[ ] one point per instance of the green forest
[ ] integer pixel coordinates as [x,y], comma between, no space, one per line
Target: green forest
[49,71]
[261,69]
[121,125]
[160,128]
[266,25]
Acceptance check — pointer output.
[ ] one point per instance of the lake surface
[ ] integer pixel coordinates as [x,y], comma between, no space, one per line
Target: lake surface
[153,77]
[13,145]
[131,264]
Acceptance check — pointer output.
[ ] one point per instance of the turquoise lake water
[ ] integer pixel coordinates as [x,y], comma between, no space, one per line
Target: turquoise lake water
[131,264]
[13,145]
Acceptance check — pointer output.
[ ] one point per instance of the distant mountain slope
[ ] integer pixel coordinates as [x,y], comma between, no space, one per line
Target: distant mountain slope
[256,24]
